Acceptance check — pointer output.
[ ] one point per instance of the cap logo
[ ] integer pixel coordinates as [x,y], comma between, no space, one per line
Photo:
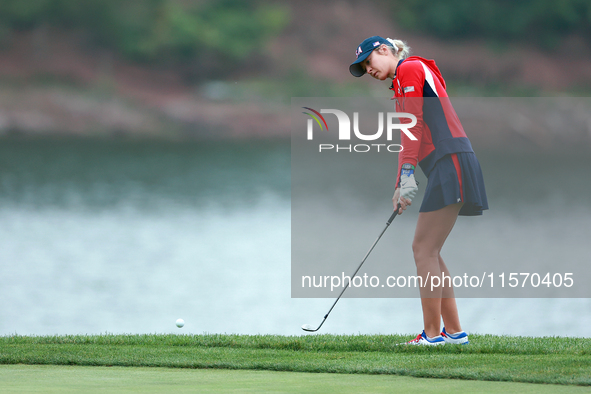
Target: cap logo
[358,52]
[375,44]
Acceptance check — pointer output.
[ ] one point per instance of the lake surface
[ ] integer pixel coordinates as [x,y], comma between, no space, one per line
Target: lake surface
[125,237]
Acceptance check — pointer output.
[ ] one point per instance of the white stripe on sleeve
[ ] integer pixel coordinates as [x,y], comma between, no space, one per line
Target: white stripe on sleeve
[429,78]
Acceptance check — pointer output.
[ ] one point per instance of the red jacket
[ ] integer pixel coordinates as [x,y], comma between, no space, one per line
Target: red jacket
[419,89]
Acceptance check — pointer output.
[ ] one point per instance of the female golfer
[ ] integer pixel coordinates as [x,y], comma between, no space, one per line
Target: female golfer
[440,146]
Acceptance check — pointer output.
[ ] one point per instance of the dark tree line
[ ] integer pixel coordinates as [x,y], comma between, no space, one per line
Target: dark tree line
[543,22]
[201,34]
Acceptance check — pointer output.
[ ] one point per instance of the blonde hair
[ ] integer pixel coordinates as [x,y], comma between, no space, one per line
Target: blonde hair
[398,48]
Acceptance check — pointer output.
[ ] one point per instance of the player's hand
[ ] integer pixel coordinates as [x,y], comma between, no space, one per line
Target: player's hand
[408,186]
[404,202]
[405,193]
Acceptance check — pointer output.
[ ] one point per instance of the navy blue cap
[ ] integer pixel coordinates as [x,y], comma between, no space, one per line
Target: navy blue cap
[363,51]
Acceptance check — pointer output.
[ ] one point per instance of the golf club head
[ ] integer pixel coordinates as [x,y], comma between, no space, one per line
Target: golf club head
[309,328]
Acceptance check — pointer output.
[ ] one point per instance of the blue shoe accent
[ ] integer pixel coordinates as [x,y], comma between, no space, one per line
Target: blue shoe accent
[459,338]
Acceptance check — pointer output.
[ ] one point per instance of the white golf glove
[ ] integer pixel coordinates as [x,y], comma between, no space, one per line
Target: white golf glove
[408,184]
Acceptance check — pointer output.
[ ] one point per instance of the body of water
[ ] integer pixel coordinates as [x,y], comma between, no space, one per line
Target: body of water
[125,237]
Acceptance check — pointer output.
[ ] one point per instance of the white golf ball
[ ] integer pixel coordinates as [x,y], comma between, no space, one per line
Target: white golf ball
[180,323]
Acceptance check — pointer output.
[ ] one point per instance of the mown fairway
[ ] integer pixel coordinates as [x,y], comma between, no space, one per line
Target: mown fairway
[352,361]
[66,379]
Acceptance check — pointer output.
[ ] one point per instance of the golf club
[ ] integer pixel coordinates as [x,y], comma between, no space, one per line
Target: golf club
[308,327]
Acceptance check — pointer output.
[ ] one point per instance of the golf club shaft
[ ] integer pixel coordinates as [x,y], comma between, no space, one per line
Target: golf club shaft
[358,268]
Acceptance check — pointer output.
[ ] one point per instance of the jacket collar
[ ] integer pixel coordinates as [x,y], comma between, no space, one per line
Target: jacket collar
[395,73]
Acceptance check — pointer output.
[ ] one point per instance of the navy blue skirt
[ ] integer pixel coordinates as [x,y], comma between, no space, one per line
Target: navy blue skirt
[456,178]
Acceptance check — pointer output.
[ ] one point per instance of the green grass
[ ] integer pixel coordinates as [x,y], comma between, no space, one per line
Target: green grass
[68,379]
[489,358]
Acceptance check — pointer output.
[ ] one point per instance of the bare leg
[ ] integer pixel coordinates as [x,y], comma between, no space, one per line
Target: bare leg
[430,235]
[449,310]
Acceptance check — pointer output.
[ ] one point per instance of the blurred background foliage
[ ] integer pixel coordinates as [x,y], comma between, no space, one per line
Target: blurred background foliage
[210,36]
[172,64]
[206,39]
[542,22]
[177,30]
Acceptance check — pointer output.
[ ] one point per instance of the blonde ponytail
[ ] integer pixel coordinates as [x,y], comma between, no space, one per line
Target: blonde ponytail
[399,48]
